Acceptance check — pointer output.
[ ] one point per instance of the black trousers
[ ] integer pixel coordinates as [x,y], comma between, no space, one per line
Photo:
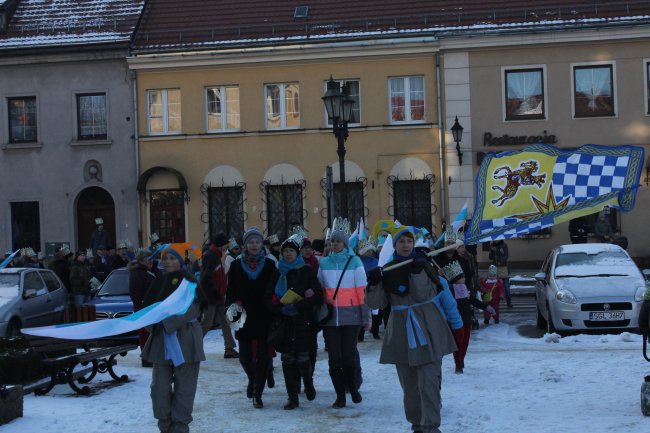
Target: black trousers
[341,345]
[254,358]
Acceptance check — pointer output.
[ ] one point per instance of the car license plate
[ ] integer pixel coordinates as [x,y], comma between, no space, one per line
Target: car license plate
[598,316]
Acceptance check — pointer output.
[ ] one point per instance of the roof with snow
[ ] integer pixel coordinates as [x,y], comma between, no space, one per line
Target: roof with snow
[201,24]
[59,23]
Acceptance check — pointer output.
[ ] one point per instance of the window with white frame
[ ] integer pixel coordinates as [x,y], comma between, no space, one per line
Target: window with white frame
[282,105]
[406,99]
[222,108]
[164,111]
[22,119]
[91,116]
[593,90]
[524,94]
[355,93]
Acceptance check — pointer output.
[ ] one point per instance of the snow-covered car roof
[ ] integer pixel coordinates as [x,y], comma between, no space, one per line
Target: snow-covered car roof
[588,248]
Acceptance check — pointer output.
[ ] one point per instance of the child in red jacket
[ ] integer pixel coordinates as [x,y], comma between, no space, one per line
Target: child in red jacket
[493,291]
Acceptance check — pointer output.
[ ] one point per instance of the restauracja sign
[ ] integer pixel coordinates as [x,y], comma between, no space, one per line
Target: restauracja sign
[516,140]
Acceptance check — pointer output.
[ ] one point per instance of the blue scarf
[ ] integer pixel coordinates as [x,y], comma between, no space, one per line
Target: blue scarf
[259,257]
[284,268]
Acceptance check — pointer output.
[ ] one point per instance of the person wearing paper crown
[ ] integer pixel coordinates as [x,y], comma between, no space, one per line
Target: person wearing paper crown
[248,279]
[175,347]
[493,292]
[417,335]
[349,311]
[292,295]
[100,236]
[456,277]
[368,252]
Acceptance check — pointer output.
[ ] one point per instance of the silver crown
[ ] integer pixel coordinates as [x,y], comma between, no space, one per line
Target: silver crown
[27,252]
[452,270]
[232,243]
[342,225]
[273,239]
[450,235]
[99,221]
[298,234]
[366,244]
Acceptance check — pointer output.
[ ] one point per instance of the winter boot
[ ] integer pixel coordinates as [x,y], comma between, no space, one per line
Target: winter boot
[376,320]
[351,382]
[270,379]
[258,387]
[308,380]
[338,380]
[292,382]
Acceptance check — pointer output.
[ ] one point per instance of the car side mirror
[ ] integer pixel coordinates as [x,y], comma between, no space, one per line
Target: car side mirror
[29,293]
[540,276]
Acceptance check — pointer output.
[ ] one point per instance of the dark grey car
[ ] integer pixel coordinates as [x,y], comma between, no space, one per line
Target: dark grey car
[28,298]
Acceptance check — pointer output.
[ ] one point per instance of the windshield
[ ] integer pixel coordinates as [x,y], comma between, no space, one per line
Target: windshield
[9,285]
[116,284]
[600,264]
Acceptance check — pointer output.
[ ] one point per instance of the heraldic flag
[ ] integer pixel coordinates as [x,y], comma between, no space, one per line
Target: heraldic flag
[520,192]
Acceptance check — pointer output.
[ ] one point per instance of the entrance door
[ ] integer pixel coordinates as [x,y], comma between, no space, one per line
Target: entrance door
[94,202]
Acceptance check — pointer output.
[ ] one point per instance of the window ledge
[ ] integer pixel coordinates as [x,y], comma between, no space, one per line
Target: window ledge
[105,142]
[21,146]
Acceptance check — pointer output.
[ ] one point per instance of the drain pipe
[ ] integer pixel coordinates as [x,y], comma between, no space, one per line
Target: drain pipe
[136,139]
[441,145]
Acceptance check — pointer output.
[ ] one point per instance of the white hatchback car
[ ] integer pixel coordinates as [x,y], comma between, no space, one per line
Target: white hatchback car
[588,286]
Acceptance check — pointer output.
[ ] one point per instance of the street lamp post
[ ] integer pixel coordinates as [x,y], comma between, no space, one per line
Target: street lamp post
[457,132]
[338,104]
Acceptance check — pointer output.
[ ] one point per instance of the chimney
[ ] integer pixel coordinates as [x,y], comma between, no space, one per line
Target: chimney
[7,9]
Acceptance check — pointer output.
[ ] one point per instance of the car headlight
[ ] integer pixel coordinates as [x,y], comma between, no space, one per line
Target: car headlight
[639,296]
[566,296]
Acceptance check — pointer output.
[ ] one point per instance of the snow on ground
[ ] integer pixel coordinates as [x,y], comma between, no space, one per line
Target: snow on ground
[576,384]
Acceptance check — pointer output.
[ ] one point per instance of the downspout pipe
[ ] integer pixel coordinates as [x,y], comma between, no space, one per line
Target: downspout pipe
[441,145]
[136,139]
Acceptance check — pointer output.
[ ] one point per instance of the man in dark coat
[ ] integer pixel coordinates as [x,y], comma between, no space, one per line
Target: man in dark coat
[60,264]
[140,279]
[215,284]
[99,236]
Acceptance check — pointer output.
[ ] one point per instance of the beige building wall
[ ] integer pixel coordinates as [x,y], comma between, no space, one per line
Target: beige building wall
[631,125]
[375,147]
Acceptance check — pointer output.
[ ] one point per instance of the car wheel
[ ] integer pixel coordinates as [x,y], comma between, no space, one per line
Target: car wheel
[550,327]
[645,398]
[13,328]
[541,321]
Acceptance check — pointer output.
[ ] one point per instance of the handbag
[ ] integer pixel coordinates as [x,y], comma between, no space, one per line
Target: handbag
[277,331]
[326,311]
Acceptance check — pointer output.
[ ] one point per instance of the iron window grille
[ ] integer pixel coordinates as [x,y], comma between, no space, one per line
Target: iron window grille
[411,201]
[225,210]
[284,206]
[356,192]
[167,214]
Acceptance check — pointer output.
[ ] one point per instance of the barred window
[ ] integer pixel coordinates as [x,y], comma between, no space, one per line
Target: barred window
[167,214]
[284,208]
[412,202]
[354,192]
[226,206]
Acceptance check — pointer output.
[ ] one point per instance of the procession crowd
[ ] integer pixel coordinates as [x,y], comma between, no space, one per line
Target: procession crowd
[277,296]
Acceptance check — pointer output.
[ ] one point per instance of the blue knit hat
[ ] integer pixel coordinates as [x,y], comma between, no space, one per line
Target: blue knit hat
[253,233]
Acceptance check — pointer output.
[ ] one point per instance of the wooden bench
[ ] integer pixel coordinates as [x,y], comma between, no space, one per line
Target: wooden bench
[59,358]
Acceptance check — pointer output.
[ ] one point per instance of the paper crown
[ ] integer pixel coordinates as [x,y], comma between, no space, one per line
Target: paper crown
[273,239]
[341,225]
[366,244]
[232,243]
[153,238]
[65,249]
[328,234]
[99,221]
[89,253]
[450,235]
[123,244]
[453,271]
[27,252]
[297,235]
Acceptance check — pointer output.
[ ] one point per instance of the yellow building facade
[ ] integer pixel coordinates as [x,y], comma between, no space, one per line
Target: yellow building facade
[233,139]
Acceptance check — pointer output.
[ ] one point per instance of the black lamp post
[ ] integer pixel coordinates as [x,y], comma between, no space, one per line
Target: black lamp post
[338,104]
[457,132]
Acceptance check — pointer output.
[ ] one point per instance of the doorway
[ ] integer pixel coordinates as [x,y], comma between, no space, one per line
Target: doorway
[94,202]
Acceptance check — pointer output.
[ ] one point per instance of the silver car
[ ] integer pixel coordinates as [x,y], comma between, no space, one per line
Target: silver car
[30,297]
[588,286]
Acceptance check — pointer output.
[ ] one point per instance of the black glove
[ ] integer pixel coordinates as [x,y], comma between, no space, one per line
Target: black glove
[374,276]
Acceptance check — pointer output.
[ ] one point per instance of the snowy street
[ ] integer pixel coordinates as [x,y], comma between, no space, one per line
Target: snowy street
[583,383]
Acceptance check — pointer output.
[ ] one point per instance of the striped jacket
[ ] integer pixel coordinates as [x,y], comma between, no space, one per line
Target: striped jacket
[349,306]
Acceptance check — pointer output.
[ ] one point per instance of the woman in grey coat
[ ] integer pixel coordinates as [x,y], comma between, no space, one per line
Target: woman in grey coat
[417,335]
[174,376]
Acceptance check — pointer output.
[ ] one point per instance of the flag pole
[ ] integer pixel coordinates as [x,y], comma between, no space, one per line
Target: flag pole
[430,254]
